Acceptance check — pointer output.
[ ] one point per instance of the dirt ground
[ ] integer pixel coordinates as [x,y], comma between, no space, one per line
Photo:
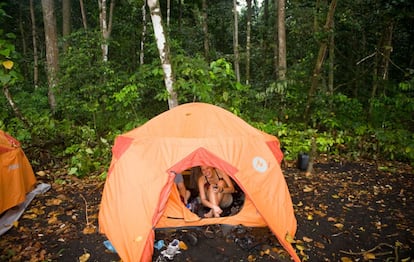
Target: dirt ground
[346,211]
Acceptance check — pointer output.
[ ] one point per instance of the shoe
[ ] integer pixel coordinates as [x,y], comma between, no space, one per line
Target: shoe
[172,249]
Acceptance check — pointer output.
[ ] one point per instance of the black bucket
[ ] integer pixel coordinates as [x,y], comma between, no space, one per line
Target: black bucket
[303,161]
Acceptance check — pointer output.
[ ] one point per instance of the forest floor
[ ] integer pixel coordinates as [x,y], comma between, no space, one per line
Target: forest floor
[346,211]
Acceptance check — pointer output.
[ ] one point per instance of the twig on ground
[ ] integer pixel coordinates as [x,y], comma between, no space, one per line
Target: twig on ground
[86,210]
[368,251]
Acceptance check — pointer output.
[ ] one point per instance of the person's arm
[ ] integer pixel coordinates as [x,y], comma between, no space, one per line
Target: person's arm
[183,191]
[229,187]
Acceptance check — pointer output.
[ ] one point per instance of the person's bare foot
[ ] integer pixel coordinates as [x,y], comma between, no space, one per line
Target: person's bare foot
[209,214]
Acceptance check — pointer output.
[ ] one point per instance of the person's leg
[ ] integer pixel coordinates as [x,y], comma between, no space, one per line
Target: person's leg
[215,199]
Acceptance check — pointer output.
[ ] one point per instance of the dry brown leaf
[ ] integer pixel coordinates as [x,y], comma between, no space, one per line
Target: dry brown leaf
[300,247]
[339,225]
[369,256]
[88,230]
[319,245]
[308,189]
[289,239]
[41,173]
[307,239]
[53,220]
[346,259]
[332,219]
[182,245]
[85,257]
[53,202]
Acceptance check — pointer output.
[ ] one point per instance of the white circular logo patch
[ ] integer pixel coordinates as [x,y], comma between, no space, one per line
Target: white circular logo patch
[259,164]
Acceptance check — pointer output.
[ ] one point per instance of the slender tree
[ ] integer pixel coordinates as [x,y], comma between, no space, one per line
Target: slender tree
[248,36]
[143,32]
[106,26]
[281,32]
[236,41]
[382,58]
[205,31]
[35,54]
[83,13]
[52,51]
[164,51]
[66,21]
[320,59]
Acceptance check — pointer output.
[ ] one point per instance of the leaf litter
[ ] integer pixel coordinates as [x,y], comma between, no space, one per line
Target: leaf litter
[346,211]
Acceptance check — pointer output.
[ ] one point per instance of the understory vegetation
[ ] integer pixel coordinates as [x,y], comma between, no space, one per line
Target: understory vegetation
[98,100]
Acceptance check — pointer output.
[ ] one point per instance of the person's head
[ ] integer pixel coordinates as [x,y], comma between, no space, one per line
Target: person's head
[207,170]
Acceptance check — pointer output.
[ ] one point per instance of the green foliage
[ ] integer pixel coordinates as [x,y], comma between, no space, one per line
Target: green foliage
[89,155]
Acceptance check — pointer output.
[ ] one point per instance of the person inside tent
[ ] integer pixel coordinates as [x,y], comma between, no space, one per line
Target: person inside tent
[215,188]
[184,193]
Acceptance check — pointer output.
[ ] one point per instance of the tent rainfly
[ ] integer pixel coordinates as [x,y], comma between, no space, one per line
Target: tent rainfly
[139,194]
[16,173]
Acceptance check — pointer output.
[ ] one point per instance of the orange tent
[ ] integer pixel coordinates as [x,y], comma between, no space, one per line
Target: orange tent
[16,173]
[139,195]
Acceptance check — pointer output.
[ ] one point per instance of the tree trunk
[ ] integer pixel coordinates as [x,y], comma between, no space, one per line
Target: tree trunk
[382,60]
[143,33]
[106,26]
[275,43]
[248,35]
[16,110]
[35,54]
[168,12]
[282,67]
[24,66]
[66,21]
[164,51]
[52,52]
[83,13]
[320,59]
[205,32]
[236,42]
[331,63]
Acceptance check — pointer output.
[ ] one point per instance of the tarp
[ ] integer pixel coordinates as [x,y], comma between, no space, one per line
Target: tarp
[140,196]
[16,173]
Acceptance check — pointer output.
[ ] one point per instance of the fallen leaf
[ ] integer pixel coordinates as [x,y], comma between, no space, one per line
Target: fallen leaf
[319,245]
[53,202]
[41,173]
[307,189]
[289,239]
[88,230]
[307,239]
[85,257]
[369,256]
[16,224]
[182,245]
[332,219]
[300,247]
[346,259]
[339,225]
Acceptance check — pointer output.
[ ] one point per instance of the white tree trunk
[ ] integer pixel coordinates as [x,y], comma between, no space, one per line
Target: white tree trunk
[164,51]
[106,26]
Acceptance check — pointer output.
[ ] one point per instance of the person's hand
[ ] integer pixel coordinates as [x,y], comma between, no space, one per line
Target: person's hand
[217,210]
